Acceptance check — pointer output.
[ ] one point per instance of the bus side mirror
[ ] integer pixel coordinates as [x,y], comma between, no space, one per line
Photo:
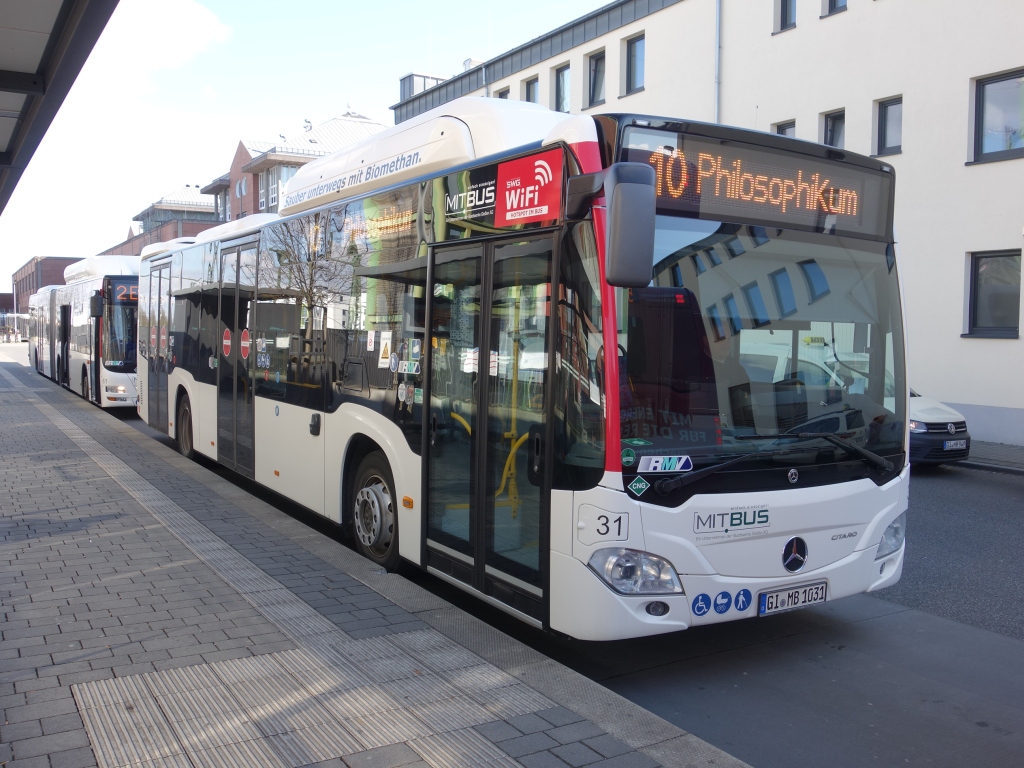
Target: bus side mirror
[630,204]
[629,244]
[96,305]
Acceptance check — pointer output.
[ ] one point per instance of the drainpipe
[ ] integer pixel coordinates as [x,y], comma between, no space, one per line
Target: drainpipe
[718,58]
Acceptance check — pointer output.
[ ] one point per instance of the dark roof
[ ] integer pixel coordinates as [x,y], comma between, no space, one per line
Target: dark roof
[43,45]
[578,32]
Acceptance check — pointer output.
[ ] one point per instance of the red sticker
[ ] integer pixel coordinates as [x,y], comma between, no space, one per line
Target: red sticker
[243,344]
[152,338]
[227,342]
[529,189]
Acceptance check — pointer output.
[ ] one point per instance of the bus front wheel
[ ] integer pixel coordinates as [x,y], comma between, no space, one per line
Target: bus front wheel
[85,385]
[373,514]
[184,434]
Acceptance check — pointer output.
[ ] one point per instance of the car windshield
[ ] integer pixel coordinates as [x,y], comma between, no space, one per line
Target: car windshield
[119,337]
[749,337]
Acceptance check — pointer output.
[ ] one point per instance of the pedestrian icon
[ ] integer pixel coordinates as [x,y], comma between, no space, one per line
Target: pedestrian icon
[743,600]
[723,601]
[701,604]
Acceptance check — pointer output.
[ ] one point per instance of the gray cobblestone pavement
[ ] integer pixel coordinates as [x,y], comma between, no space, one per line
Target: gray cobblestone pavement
[156,615]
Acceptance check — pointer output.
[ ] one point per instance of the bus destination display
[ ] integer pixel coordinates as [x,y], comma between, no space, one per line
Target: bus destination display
[124,292]
[741,182]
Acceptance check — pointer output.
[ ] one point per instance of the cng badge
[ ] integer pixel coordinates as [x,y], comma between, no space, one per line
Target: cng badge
[639,485]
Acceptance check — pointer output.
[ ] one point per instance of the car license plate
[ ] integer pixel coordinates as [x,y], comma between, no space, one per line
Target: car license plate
[780,600]
[954,445]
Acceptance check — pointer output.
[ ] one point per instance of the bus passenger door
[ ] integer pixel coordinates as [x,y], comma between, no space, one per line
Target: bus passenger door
[235,433]
[489,349]
[65,345]
[159,295]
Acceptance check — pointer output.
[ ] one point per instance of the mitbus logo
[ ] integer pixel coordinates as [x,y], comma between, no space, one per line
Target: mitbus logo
[529,189]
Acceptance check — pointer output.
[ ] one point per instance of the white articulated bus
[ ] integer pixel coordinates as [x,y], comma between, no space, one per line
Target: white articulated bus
[82,334]
[588,368]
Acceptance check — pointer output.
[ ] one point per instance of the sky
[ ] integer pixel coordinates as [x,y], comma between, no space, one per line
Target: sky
[173,85]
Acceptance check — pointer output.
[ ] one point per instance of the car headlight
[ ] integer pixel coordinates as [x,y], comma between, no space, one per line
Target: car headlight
[893,537]
[635,573]
[917,426]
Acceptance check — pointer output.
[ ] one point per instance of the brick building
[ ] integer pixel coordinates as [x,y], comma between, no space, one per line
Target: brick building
[183,213]
[260,169]
[37,272]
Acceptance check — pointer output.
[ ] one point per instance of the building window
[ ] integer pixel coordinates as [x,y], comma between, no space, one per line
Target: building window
[890,126]
[755,303]
[995,294]
[596,81]
[635,65]
[787,14]
[698,263]
[734,247]
[834,6]
[532,94]
[562,89]
[999,127]
[272,188]
[716,323]
[786,129]
[784,296]
[502,94]
[263,190]
[713,257]
[835,129]
[817,284]
[732,311]
[677,276]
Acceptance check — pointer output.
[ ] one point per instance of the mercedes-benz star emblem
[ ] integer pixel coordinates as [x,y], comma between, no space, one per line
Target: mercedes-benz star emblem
[793,475]
[951,428]
[794,555]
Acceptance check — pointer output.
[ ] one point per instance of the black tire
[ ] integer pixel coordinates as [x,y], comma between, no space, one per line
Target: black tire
[85,385]
[374,511]
[185,435]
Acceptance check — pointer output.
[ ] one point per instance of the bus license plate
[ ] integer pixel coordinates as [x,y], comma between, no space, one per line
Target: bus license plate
[954,445]
[787,599]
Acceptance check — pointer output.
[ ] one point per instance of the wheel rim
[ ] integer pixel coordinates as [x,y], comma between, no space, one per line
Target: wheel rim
[185,427]
[374,516]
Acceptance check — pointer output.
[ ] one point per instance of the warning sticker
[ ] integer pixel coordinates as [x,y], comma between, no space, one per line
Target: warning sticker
[226,344]
[243,343]
[369,341]
[384,358]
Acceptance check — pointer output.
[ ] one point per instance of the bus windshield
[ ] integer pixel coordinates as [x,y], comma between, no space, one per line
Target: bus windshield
[751,339]
[119,322]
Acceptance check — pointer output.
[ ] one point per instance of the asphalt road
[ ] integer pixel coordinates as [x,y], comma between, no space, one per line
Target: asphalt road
[929,672]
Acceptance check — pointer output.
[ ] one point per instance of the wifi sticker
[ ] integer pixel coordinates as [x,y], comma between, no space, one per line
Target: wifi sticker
[529,189]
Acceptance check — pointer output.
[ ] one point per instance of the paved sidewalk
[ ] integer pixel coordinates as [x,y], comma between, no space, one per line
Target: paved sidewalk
[158,616]
[995,457]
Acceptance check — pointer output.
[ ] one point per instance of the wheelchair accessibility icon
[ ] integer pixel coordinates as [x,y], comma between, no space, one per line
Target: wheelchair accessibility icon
[701,604]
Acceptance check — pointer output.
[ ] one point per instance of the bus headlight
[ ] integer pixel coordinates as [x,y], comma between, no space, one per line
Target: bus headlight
[893,537]
[115,390]
[635,573]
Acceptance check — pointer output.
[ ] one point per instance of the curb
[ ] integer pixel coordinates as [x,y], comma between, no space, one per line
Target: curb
[1000,468]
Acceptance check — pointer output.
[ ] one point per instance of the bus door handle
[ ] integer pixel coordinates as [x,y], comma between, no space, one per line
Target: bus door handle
[536,452]
[314,424]
[433,429]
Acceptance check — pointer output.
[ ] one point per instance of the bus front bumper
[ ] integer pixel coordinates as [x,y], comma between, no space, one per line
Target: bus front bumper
[584,607]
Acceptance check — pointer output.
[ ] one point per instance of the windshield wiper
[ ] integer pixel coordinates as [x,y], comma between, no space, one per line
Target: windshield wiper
[862,453]
[668,484]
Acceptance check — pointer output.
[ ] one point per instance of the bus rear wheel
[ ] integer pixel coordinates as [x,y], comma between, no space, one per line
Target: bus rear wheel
[184,433]
[85,385]
[374,517]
